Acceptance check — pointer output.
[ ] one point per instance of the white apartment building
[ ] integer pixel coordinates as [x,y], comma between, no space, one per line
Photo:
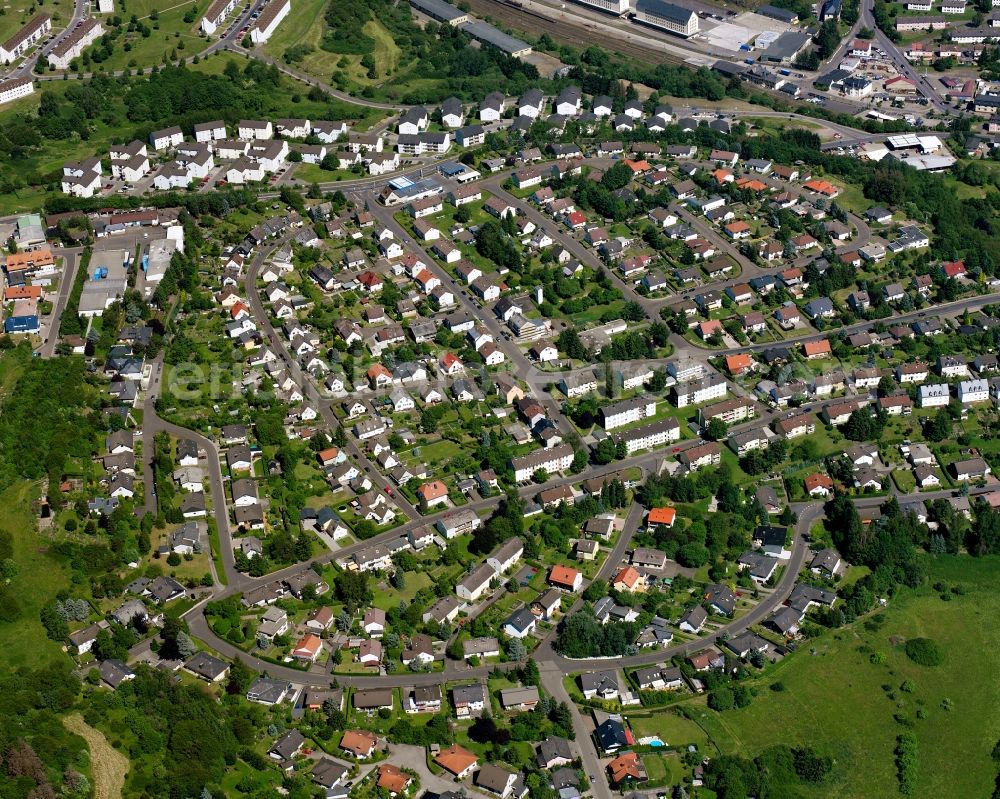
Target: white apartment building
[669,17]
[934,395]
[476,583]
[82,178]
[268,21]
[216,15]
[166,138]
[704,390]
[22,41]
[685,372]
[85,34]
[15,88]
[617,7]
[626,412]
[507,556]
[254,129]
[729,411]
[650,436]
[972,391]
[208,132]
[556,459]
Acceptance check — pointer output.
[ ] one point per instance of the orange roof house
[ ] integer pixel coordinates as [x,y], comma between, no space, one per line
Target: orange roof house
[709,328]
[424,277]
[432,493]
[793,276]
[308,648]
[360,743]
[456,760]
[22,293]
[738,229]
[565,577]
[17,261]
[628,579]
[238,310]
[664,516]
[450,363]
[370,280]
[819,483]
[627,767]
[638,166]
[392,779]
[739,363]
[377,373]
[753,184]
[723,176]
[328,455]
[823,187]
[816,349]
[953,268]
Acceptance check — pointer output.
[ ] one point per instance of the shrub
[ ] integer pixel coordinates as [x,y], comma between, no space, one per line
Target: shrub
[924,651]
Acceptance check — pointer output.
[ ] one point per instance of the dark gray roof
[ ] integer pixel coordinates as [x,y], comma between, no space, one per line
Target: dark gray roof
[666,10]
[288,744]
[438,9]
[611,735]
[488,34]
[206,666]
[520,619]
[551,748]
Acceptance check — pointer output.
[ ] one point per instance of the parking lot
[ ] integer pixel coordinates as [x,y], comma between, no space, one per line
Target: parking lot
[738,30]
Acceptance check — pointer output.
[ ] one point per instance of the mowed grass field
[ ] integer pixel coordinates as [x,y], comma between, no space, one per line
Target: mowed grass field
[837,700]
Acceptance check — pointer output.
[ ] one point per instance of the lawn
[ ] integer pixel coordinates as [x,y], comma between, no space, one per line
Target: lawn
[390,598]
[904,480]
[836,699]
[778,126]
[672,728]
[663,769]
[15,18]
[852,199]
[40,577]
[169,33]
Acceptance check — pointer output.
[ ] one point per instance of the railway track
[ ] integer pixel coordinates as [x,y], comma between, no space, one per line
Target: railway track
[511,14]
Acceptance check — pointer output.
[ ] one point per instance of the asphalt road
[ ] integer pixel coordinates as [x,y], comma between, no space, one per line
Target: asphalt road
[153,424]
[71,258]
[545,656]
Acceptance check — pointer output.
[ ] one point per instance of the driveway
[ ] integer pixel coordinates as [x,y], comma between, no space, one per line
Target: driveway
[414,757]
